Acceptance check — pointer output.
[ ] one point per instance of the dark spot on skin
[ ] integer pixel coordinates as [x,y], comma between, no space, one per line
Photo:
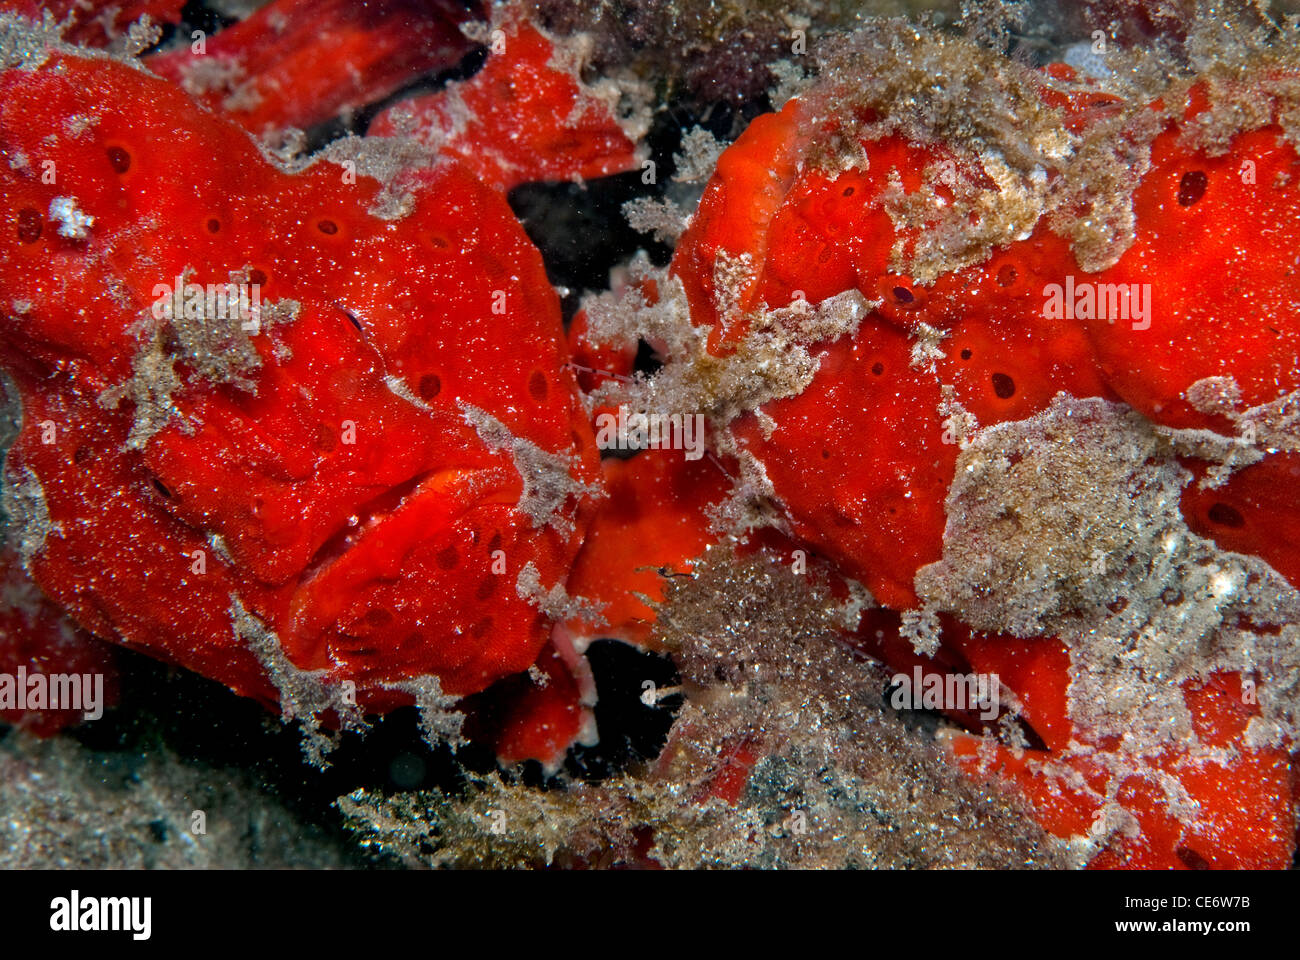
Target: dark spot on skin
[826,454]
[877,368]
[966,354]
[439,241]
[537,386]
[327,227]
[448,558]
[214,225]
[479,629]
[486,588]
[495,543]
[257,276]
[1004,386]
[904,295]
[119,159]
[29,225]
[378,617]
[848,191]
[1226,516]
[324,438]
[1192,187]
[1191,859]
[1007,275]
[430,385]
[83,456]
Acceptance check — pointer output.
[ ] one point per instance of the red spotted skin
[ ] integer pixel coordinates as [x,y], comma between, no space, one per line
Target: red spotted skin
[869,498]
[541,720]
[1228,834]
[860,464]
[652,525]
[1223,251]
[1066,774]
[840,456]
[1253,512]
[518,120]
[359,513]
[285,76]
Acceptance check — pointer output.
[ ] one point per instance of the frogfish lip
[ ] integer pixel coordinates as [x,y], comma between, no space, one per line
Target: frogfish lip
[374,546]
